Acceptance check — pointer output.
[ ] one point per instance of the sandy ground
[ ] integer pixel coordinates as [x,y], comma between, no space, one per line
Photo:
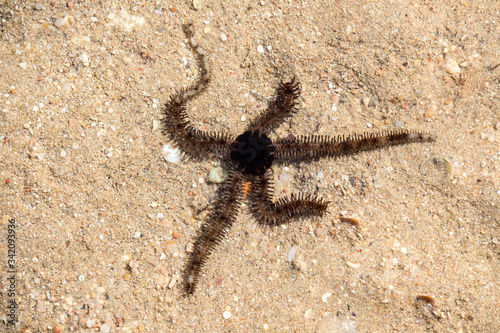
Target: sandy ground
[103,221]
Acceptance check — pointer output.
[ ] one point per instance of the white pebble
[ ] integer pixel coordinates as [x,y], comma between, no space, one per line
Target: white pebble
[452,66]
[196,4]
[155,125]
[63,153]
[325,296]
[350,264]
[226,314]
[23,65]
[223,37]
[291,253]
[260,49]
[171,154]
[403,250]
[105,328]
[137,234]
[334,107]
[217,175]
[81,277]
[84,58]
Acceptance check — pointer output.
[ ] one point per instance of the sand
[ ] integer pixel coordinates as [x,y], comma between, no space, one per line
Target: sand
[103,220]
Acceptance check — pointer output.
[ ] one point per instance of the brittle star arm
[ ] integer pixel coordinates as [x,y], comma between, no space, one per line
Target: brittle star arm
[176,121]
[314,147]
[285,209]
[282,107]
[195,142]
[214,229]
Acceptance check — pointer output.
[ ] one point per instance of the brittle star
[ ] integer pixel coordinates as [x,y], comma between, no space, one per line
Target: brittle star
[249,157]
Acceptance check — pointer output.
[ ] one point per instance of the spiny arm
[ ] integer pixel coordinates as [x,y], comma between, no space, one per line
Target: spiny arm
[176,122]
[282,107]
[314,147]
[284,210]
[214,229]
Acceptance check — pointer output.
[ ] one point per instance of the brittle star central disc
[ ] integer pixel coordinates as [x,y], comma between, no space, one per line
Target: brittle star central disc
[253,152]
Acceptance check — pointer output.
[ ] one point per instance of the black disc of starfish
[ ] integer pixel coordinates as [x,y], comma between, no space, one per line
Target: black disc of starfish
[250,156]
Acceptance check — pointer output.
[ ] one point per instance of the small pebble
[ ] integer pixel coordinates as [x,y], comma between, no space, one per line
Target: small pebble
[426,298]
[84,58]
[291,253]
[226,314]
[105,328]
[351,220]
[60,22]
[172,282]
[70,5]
[63,153]
[436,170]
[81,277]
[171,154]
[196,4]
[155,125]
[217,175]
[58,329]
[23,65]
[325,296]
[223,37]
[352,265]
[39,6]
[260,49]
[452,67]
[366,101]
